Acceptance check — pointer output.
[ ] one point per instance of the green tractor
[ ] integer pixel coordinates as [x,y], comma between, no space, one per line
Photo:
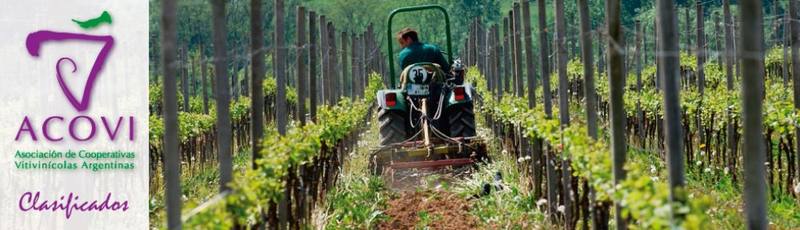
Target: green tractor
[428,120]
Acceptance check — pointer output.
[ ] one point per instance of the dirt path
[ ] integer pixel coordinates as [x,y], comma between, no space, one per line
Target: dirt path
[432,209]
[445,198]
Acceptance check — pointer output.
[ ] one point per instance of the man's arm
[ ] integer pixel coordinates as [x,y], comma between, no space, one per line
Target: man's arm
[441,60]
[402,57]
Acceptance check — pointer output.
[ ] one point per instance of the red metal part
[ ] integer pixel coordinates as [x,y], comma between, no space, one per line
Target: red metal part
[422,143]
[432,164]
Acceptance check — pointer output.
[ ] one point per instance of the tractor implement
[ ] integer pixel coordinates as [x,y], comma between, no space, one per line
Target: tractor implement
[415,154]
[427,121]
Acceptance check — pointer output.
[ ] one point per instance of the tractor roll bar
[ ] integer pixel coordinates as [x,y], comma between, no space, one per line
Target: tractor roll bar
[389,32]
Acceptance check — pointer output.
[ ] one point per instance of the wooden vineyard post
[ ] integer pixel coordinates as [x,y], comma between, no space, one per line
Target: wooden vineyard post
[589,96]
[776,21]
[234,77]
[301,48]
[616,71]
[700,51]
[172,161]
[355,83]
[362,72]
[465,49]
[688,29]
[377,54]
[729,56]
[491,46]
[638,59]
[516,35]
[184,69]
[737,67]
[373,50]
[795,41]
[752,58]
[657,48]
[530,63]
[323,49]
[328,59]
[785,46]
[601,62]
[279,63]
[212,78]
[204,76]
[548,104]
[507,67]
[719,50]
[481,47]
[223,123]
[473,42]
[247,76]
[344,89]
[543,58]
[498,50]
[512,44]
[641,33]
[300,63]
[588,71]
[489,71]
[563,107]
[312,64]
[521,145]
[259,69]
[473,37]
[331,73]
[669,71]
[364,54]
[334,55]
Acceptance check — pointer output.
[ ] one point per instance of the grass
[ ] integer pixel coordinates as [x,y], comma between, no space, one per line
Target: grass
[197,186]
[513,206]
[358,198]
[726,211]
[356,203]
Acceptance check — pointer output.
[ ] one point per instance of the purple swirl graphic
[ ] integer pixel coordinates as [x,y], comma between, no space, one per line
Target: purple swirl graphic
[35,41]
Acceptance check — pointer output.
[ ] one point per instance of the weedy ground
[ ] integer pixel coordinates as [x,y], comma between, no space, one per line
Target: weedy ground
[726,211]
[440,200]
[197,185]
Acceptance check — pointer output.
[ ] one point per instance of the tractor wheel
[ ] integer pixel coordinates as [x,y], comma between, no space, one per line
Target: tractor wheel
[393,126]
[462,121]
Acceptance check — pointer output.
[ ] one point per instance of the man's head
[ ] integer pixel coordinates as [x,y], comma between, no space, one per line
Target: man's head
[407,36]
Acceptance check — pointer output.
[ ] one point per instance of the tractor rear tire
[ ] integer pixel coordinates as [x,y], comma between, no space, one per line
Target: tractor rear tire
[462,120]
[393,126]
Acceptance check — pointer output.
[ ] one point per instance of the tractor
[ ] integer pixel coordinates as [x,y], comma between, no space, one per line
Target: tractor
[428,119]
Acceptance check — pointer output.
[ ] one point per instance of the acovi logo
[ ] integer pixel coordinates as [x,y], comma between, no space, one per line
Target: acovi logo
[36,39]
[34,43]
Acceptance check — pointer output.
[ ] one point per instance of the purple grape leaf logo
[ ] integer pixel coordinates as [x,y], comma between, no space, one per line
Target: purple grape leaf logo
[36,40]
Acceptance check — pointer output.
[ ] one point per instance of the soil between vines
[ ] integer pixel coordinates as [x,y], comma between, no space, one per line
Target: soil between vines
[435,209]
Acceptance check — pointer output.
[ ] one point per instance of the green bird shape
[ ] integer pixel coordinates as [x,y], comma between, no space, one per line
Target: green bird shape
[95,22]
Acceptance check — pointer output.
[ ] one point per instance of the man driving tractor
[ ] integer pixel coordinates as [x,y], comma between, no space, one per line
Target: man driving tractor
[415,51]
[427,118]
